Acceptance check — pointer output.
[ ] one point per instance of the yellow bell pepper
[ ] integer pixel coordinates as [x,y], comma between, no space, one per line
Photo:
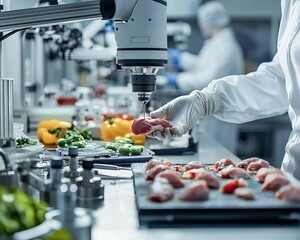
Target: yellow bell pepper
[45,125]
[137,139]
[115,127]
[49,138]
[40,132]
[125,125]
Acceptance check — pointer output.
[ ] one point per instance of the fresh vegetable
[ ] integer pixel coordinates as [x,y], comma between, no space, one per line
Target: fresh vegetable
[40,132]
[49,131]
[53,123]
[114,127]
[49,138]
[111,115]
[125,148]
[136,139]
[79,144]
[136,150]
[25,142]
[61,142]
[62,133]
[18,211]
[127,117]
[112,146]
[124,141]
[86,133]
[117,115]
[72,137]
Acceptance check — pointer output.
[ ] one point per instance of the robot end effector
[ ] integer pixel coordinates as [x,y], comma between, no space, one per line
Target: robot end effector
[141,36]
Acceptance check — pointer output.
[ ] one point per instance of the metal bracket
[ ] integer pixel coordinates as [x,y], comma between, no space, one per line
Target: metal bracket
[49,15]
[9,142]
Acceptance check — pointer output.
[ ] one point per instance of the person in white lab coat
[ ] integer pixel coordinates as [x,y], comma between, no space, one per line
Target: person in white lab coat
[220,56]
[272,90]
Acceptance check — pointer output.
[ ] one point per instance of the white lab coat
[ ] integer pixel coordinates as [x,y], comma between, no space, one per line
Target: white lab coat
[220,56]
[272,90]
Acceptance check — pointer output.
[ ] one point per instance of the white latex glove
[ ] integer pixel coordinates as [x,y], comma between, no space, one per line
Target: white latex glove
[184,112]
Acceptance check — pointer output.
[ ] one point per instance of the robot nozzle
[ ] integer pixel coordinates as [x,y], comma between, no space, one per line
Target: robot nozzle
[144,85]
[144,97]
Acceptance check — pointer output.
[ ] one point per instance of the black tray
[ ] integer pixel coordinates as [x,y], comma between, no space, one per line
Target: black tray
[219,209]
[101,155]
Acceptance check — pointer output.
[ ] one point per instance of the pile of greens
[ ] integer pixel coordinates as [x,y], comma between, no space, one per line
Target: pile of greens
[18,211]
[124,147]
[25,142]
[72,136]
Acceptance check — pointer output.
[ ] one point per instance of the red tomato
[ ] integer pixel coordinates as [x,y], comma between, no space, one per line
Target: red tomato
[127,117]
[112,115]
[118,115]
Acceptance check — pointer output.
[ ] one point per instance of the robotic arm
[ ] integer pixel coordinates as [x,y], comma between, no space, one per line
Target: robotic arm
[142,43]
[141,32]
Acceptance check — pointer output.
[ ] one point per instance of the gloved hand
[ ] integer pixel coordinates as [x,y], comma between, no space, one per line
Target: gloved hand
[184,112]
[174,57]
[170,79]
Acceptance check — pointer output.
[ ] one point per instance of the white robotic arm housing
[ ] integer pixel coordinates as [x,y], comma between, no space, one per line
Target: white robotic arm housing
[142,45]
[141,32]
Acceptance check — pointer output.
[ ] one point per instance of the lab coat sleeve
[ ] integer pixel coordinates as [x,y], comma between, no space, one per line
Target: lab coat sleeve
[257,95]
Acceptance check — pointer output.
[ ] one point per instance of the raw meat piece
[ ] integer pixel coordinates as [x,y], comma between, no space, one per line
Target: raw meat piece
[149,125]
[221,164]
[233,172]
[173,178]
[229,186]
[193,165]
[210,178]
[153,162]
[289,193]
[255,166]
[156,170]
[245,163]
[264,163]
[274,182]
[263,172]
[169,164]
[196,191]
[178,168]
[191,173]
[244,193]
[161,190]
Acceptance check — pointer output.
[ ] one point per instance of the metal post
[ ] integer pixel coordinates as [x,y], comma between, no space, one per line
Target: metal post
[1,8]
[6,111]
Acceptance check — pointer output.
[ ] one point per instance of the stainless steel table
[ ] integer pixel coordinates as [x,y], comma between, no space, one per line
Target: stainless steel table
[118,218]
